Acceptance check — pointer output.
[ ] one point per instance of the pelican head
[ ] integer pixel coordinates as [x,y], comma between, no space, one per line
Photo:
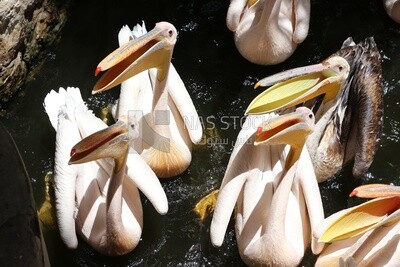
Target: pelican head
[111,142]
[151,50]
[292,128]
[298,85]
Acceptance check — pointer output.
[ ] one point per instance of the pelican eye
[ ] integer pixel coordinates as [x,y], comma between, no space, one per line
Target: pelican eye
[133,126]
[310,116]
[170,32]
[340,68]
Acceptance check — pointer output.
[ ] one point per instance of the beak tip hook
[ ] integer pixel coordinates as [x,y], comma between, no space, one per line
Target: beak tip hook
[97,71]
[353,193]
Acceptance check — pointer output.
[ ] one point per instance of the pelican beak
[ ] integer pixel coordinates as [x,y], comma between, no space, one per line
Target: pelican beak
[383,210]
[286,129]
[376,190]
[152,50]
[110,142]
[298,85]
[292,128]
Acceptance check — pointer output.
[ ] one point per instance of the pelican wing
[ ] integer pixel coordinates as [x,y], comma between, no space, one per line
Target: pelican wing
[312,196]
[64,181]
[62,118]
[234,13]
[226,202]
[235,177]
[302,20]
[184,103]
[145,179]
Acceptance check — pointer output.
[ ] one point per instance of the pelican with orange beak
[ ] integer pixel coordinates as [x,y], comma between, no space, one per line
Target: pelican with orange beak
[99,197]
[365,235]
[345,93]
[274,189]
[170,124]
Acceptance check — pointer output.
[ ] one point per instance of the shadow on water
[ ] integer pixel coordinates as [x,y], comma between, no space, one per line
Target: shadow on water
[220,82]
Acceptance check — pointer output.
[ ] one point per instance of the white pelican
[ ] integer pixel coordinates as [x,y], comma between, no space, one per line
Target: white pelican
[364,235]
[169,122]
[345,93]
[267,32]
[88,196]
[392,8]
[277,199]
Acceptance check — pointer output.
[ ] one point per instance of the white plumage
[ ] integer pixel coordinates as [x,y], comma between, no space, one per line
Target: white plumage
[81,189]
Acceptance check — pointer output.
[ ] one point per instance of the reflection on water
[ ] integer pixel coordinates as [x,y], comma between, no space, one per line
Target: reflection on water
[220,83]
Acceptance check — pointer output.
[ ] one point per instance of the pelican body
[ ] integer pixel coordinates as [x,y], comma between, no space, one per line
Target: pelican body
[364,235]
[267,32]
[153,93]
[98,199]
[274,190]
[345,92]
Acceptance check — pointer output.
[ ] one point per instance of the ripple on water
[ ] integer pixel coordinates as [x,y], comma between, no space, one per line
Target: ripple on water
[200,92]
[392,130]
[249,80]
[190,26]
[98,101]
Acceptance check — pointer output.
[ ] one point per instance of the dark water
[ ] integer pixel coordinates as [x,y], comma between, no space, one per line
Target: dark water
[220,82]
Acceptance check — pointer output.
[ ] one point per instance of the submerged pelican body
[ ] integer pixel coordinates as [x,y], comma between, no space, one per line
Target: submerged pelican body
[345,92]
[267,32]
[274,190]
[364,235]
[153,93]
[98,199]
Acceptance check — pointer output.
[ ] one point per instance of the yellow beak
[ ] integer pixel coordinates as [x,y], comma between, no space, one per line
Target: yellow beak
[298,85]
[383,210]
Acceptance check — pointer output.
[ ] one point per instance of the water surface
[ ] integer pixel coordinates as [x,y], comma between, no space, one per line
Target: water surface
[220,83]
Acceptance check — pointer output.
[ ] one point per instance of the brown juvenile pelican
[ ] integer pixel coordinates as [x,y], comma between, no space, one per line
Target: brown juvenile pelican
[364,235]
[98,199]
[168,120]
[275,192]
[347,98]
[268,31]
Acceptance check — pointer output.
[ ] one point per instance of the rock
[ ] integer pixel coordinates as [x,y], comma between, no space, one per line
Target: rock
[27,28]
